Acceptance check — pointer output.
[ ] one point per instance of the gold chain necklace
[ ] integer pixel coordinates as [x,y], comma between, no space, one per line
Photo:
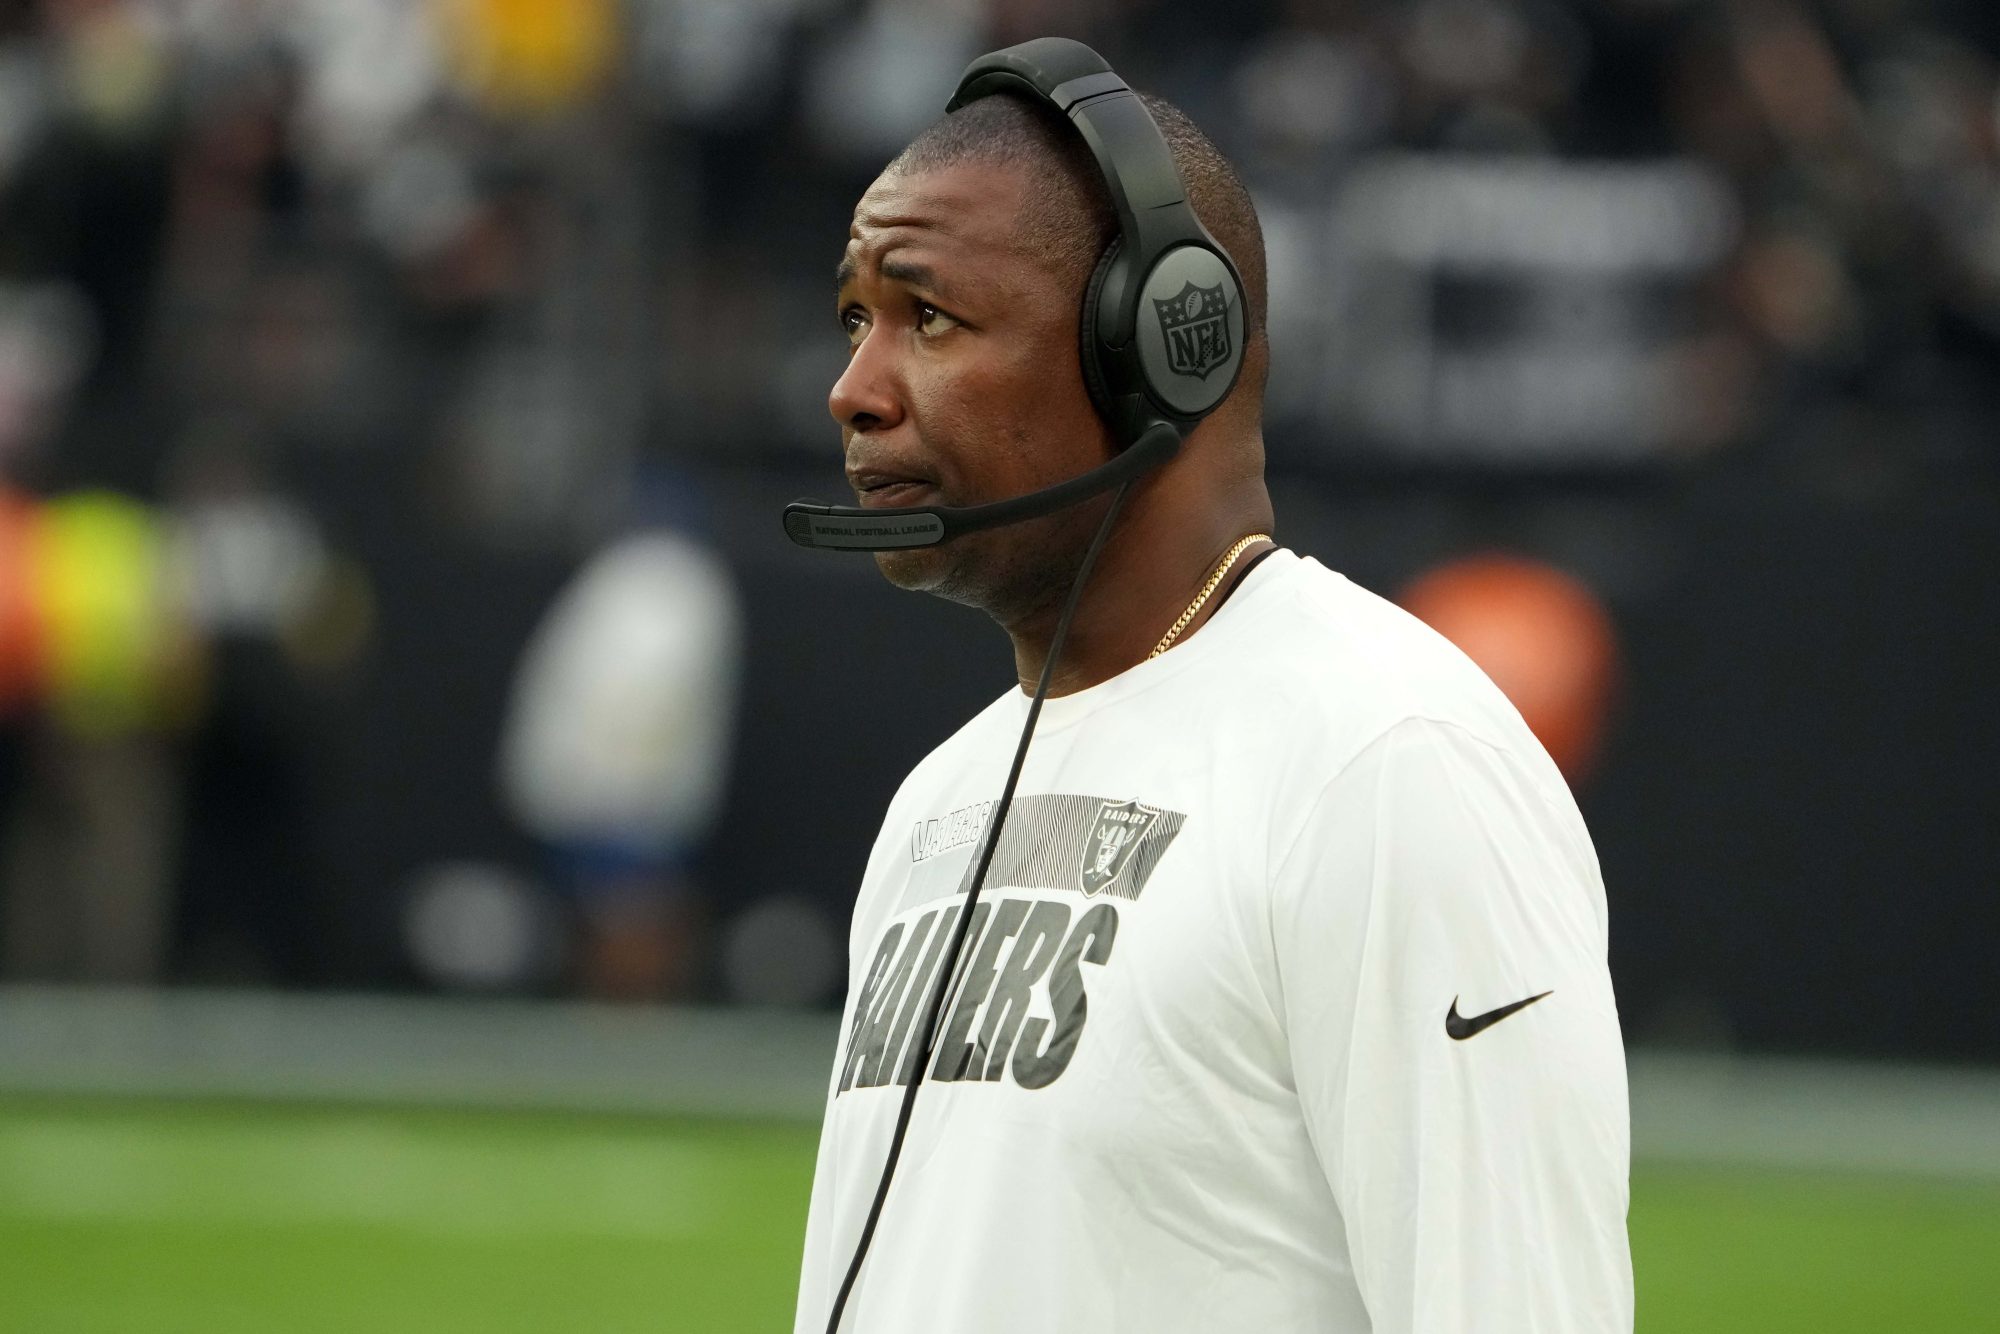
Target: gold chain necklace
[1214,582]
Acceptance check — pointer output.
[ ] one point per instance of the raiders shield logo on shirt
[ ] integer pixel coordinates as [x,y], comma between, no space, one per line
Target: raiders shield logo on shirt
[1119,830]
[1196,326]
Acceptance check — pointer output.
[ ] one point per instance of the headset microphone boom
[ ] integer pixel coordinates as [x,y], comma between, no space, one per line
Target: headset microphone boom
[852,528]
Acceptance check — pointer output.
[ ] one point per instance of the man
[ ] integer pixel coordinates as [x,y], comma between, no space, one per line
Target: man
[1284,1006]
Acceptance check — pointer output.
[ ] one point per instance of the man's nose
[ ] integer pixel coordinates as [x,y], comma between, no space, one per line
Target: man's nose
[868,396]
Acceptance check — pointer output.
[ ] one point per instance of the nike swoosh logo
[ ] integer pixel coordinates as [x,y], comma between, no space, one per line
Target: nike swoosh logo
[1460,1028]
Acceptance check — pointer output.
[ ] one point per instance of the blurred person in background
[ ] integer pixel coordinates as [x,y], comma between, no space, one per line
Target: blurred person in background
[102,674]
[87,849]
[280,616]
[615,752]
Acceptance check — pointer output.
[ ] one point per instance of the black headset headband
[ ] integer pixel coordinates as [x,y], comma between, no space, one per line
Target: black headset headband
[1131,153]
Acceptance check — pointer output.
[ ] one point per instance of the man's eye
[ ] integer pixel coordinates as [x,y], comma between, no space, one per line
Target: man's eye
[852,323]
[931,320]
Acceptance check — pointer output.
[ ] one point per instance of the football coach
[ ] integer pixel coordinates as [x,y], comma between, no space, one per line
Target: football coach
[1244,968]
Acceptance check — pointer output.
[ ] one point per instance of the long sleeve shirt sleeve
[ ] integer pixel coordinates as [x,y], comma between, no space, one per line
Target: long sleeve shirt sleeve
[1482,1175]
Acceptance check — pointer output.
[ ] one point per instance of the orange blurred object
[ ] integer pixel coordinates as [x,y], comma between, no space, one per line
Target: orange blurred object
[1540,634]
[20,621]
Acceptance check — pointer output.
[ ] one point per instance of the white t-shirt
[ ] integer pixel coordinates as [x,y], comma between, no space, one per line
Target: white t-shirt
[1197,1074]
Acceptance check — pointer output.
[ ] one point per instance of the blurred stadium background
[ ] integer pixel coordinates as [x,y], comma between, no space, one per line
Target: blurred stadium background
[413,915]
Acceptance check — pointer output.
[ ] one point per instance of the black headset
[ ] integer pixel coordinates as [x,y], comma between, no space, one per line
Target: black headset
[1163,320]
[1162,345]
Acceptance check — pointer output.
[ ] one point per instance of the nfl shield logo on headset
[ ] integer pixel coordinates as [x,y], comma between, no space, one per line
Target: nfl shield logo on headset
[1196,326]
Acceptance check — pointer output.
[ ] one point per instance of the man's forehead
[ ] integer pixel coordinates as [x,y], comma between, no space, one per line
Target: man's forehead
[960,212]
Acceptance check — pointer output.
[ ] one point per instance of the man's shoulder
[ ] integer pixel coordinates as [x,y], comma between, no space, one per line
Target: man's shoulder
[1332,674]
[1340,665]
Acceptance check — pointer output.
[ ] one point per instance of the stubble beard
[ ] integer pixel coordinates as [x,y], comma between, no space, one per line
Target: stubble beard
[1013,574]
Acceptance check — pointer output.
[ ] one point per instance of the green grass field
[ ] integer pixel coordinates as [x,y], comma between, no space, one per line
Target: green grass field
[219,1219]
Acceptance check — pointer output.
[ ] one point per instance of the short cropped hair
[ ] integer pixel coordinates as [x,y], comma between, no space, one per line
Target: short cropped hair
[1069,215]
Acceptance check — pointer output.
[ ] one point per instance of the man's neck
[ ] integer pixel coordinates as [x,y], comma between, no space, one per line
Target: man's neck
[1132,598]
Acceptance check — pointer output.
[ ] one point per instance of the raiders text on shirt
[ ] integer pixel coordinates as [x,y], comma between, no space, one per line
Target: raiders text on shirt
[1057,841]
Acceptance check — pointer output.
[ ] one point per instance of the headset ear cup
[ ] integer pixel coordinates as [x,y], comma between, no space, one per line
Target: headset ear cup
[1089,350]
[1187,350]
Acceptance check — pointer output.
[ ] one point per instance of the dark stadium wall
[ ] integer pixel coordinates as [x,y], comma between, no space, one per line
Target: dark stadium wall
[1795,811]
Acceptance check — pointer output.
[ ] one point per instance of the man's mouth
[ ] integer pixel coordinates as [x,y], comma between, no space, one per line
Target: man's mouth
[881,490]
[896,495]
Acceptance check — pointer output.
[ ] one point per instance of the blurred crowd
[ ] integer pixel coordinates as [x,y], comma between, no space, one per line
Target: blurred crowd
[303,302]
